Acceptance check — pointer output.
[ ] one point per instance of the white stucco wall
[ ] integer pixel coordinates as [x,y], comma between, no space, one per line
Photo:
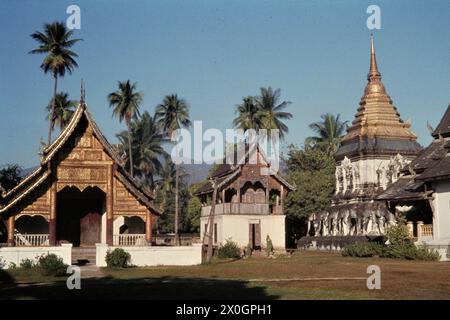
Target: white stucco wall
[155,256]
[17,254]
[441,221]
[236,227]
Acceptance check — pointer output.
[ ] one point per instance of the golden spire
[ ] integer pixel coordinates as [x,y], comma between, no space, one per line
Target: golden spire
[82,93]
[377,116]
[373,72]
[374,84]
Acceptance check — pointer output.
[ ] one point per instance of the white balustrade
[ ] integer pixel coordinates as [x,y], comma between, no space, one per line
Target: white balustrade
[129,240]
[31,240]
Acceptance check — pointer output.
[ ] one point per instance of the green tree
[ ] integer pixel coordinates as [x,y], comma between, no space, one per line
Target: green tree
[55,42]
[147,147]
[10,176]
[62,110]
[194,209]
[165,194]
[329,133]
[312,171]
[173,114]
[309,159]
[270,111]
[248,115]
[126,102]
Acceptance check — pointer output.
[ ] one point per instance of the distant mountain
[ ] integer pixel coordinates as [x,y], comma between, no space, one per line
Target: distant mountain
[196,172]
[25,172]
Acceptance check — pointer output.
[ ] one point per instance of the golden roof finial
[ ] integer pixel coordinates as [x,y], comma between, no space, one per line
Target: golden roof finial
[373,72]
[82,93]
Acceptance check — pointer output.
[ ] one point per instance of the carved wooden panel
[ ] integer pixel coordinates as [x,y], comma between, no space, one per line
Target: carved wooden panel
[124,202]
[81,186]
[82,173]
[83,147]
[38,202]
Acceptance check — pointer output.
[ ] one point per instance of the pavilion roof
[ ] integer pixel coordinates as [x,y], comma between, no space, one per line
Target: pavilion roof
[38,176]
[225,173]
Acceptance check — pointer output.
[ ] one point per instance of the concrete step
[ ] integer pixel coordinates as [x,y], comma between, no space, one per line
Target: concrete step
[83,255]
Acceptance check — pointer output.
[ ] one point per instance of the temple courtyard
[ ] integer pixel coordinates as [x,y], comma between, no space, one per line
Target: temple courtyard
[303,275]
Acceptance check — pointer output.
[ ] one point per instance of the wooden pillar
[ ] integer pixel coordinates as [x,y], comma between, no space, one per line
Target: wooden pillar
[11,221]
[109,206]
[148,228]
[239,194]
[281,198]
[52,220]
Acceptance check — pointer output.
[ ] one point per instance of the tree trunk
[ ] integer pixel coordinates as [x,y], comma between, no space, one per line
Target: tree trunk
[177,237]
[211,222]
[52,113]
[130,153]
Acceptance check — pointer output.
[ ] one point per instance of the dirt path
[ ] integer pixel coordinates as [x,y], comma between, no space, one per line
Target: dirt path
[91,271]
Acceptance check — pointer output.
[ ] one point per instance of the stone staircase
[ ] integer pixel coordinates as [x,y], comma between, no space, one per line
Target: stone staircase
[83,255]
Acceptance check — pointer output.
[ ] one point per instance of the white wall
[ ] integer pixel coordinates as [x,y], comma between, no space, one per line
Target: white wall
[17,254]
[236,227]
[155,256]
[441,221]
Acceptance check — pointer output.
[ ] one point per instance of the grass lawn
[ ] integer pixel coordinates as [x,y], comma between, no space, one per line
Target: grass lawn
[304,275]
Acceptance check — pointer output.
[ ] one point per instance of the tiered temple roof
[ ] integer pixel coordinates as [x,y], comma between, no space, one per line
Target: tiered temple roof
[377,127]
[432,164]
[226,173]
[38,177]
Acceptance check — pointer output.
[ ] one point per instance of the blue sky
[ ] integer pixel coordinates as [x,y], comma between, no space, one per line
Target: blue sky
[212,53]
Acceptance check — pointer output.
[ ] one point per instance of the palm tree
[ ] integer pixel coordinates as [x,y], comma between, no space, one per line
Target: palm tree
[270,111]
[329,133]
[125,102]
[173,114]
[147,149]
[55,42]
[165,191]
[62,110]
[248,116]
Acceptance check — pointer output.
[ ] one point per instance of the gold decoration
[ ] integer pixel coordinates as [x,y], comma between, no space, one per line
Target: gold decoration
[376,115]
[80,173]
[82,186]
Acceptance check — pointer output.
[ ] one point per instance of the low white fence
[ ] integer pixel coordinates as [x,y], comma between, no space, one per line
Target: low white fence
[155,256]
[129,240]
[31,240]
[15,255]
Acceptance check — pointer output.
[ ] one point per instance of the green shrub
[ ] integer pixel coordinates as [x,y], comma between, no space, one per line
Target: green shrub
[12,266]
[411,252]
[269,246]
[425,253]
[362,250]
[398,235]
[27,263]
[118,258]
[52,265]
[248,251]
[229,250]
[399,246]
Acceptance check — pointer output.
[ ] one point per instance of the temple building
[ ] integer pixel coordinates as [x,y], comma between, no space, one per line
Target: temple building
[377,146]
[422,193]
[249,205]
[80,194]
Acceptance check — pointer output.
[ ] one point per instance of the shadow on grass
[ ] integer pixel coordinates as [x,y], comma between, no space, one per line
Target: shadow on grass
[163,288]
